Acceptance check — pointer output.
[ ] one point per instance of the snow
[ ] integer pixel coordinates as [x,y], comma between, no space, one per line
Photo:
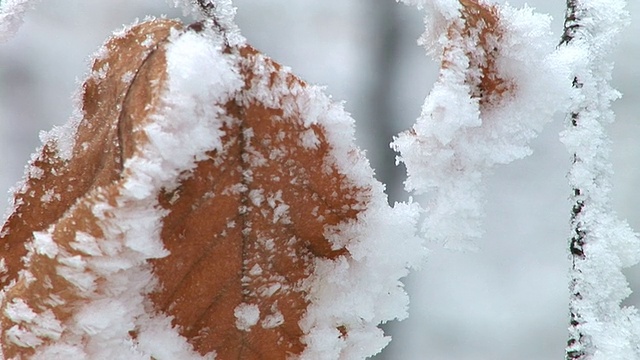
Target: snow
[460,137]
[605,330]
[109,271]
[111,274]
[31,328]
[247,315]
[222,11]
[364,290]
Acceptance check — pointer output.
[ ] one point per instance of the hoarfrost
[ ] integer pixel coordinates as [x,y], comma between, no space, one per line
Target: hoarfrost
[309,139]
[111,274]
[602,245]
[222,11]
[44,244]
[466,128]
[31,328]
[360,292]
[247,315]
[272,321]
[18,311]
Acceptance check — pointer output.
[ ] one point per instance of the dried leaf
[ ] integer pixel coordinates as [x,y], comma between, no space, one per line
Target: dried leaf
[244,225]
[54,183]
[245,228]
[58,192]
[479,34]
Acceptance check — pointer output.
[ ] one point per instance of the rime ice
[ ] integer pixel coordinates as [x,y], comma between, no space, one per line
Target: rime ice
[224,13]
[491,99]
[601,244]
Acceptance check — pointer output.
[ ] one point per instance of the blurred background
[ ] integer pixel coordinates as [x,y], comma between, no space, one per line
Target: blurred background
[506,301]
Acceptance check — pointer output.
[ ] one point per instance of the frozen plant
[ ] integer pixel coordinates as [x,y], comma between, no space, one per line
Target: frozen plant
[205,202]
[601,245]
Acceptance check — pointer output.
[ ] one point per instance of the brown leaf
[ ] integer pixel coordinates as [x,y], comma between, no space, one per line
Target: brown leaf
[243,227]
[480,28]
[58,192]
[255,246]
[55,183]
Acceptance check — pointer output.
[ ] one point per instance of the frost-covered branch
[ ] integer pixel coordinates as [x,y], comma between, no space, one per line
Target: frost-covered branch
[600,245]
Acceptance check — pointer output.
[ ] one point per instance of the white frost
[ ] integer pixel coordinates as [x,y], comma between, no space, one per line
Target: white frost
[360,292]
[31,328]
[457,141]
[247,315]
[272,321]
[309,139]
[222,10]
[111,274]
[605,330]
[18,311]
[44,244]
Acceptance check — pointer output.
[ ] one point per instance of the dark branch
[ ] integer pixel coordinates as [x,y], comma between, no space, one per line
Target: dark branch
[208,9]
[576,343]
[571,24]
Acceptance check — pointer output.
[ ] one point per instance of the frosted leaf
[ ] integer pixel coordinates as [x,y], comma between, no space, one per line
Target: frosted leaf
[489,102]
[104,263]
[214,142]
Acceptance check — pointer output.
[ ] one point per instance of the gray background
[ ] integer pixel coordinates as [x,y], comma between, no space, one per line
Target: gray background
[506,301]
